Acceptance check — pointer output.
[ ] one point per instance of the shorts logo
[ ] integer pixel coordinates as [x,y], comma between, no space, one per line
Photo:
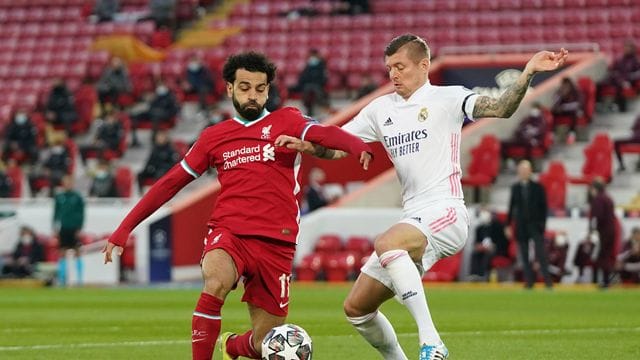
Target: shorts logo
[266,132]
[268,153]
[283,305]
[417,218]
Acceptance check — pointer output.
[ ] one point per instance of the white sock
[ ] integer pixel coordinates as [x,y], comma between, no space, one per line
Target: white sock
[378,331]
[408,286]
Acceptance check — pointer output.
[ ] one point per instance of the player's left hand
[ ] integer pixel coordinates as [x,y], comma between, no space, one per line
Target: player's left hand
[108,250]
[547,61]
[365,159]
[293,143]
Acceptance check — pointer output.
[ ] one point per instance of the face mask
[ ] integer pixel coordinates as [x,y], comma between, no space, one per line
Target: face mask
[535,112]
[102,174]
[26,239]
[561,240]
[162,90]
[58,149]
[194,66]
[313,61]
[484,217]
[21,119]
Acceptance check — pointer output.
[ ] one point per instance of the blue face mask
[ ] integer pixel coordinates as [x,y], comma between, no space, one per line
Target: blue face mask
[21,119]
[313,61]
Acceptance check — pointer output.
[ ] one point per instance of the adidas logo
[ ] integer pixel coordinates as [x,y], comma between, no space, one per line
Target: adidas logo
[418,219]
[388,122]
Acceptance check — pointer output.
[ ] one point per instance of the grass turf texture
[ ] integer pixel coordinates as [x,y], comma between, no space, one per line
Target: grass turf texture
[475,322]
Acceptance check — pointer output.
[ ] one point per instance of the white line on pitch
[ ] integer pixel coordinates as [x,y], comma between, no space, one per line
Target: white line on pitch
[445,333]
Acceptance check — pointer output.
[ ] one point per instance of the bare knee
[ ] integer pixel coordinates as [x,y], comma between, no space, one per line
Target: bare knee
[216,287]
[352,309]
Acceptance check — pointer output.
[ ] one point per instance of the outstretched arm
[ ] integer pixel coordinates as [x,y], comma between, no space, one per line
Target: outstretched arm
[509,101]
[310,148]
[163,190]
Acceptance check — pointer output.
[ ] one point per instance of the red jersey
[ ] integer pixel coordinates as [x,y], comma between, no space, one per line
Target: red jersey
[259,182]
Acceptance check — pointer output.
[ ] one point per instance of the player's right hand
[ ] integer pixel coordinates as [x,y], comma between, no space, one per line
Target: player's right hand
[108,249]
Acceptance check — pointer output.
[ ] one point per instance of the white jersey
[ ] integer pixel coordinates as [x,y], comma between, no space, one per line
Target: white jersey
[422,138]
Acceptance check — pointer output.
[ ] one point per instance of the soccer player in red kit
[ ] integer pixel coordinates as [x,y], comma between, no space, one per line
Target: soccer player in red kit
[254,226]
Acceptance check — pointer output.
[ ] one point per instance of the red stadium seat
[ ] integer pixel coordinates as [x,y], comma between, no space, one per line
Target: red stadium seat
[554,181]
[484,166]
[309,268]
[445,270]
[328,244]
[597,162]
[339,266]
[124,181]
[15,174]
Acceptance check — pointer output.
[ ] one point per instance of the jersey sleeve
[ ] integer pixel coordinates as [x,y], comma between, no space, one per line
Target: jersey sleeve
[465,100]
[197,161]
[362,125]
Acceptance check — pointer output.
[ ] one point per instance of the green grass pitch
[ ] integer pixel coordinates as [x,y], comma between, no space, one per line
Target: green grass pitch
[475,322]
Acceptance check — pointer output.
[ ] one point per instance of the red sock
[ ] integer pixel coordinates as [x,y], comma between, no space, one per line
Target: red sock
[205,326]
[242,345]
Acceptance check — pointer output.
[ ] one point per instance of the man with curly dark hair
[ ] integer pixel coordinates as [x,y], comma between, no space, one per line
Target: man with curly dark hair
[254,226]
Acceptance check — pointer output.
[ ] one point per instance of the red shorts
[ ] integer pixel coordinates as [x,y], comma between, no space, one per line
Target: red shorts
[264,265]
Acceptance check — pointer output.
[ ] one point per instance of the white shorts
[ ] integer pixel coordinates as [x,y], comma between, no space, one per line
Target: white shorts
[446,226]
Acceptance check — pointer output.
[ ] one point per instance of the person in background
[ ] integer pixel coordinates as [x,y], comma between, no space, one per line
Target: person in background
[113,82]
[633,139]
[27,254]
[162,158]
[557,248]
[274,99]
[585,255]
[628,262]
[56,164]
[60,108]
[105,10]
[68,219]
[108,137]
[163,107]
[568,102]
[529,134]
[103,184]
[21,136]
[312,81]
[624,72]
[528,208]
[163,13]
[198,81]
[490,241]
[603,220]
[315,195]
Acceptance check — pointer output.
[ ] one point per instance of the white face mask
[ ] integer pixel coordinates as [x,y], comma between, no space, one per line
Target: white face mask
[58,149]
[21,119]
[162,90]
[561,240]
[101,174]
[194,66]
[484,217]
[313,61]
[535,112]
[26,239]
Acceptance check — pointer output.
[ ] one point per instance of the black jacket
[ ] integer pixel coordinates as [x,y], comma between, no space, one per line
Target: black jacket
[535,212]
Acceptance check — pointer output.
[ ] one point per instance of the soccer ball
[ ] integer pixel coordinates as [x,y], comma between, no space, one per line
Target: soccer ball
[287,342]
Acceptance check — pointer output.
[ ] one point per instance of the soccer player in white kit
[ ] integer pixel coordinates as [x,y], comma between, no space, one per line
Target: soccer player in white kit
[420,127]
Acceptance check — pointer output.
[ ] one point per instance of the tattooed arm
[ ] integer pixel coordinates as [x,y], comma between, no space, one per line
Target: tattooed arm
[509,101]
[310,148]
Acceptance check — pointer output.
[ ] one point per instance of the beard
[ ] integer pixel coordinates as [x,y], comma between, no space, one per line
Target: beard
[248,113]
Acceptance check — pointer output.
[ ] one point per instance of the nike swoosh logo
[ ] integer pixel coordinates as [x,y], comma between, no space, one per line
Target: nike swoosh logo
[282,305]
[196,340]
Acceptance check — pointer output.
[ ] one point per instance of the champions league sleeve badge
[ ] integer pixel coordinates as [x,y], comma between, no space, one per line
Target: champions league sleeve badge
[423,114]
